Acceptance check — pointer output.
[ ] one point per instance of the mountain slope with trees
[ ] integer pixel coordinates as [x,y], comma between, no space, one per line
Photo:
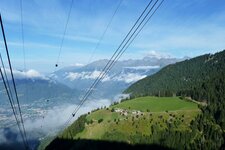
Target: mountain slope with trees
[201,78]
[183,75]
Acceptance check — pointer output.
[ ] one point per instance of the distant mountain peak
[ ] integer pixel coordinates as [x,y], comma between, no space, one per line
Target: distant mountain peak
[77,65]
[157,55]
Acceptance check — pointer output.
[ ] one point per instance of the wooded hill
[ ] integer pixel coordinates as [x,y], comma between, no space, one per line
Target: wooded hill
[185,75]
[201,78]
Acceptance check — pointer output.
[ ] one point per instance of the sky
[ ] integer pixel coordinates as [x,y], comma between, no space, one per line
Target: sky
[179,28]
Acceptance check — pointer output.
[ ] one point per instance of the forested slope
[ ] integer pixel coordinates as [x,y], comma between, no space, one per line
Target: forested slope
[185,75]
[201,78]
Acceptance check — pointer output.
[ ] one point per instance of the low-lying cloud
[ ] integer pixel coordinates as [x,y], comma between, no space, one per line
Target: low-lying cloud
[143,67]
[123,77]
[29,74]
[55,118]
[130,77]
[83,75]
[50,123]
[158,55]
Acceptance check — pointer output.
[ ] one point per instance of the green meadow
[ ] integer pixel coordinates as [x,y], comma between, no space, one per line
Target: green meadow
[140,116]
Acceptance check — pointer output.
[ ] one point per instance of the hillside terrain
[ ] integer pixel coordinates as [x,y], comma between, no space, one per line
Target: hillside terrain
[201,78]
[135,121]
[167,122]
[186,75]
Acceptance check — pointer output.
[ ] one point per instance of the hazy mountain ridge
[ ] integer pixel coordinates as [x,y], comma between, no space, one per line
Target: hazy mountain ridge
[123,74]
[30,90]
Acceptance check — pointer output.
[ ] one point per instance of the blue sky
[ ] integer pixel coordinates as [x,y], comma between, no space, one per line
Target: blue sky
[179,28]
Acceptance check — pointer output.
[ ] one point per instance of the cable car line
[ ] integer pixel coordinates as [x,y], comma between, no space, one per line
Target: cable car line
[144,25]
[104,32]
[11,104]
[102,72]
[133,38]
[114,57]
[110,62]
[22,33]
[126,46]
[24,56]
[64,33]
[13,80]
[7,81]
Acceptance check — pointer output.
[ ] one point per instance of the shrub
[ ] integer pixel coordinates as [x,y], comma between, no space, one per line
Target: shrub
[78,125]
[100,120]
[90,122]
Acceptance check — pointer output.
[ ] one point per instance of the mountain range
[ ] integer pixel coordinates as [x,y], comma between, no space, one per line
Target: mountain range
[69,83]
[123,74]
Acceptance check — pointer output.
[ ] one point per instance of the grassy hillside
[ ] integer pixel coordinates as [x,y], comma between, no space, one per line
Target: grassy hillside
[135,121]
[156,104]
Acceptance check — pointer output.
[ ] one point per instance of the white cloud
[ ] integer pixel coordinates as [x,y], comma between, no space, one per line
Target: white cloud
[93,75]
[82,39]
[119,97]
[181,41]
[158,55]
[130,77]
[85,75]
[32,45]
[31,74]
[143,67]
[53,120]
[77,65]
[125,77]
[73,76]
